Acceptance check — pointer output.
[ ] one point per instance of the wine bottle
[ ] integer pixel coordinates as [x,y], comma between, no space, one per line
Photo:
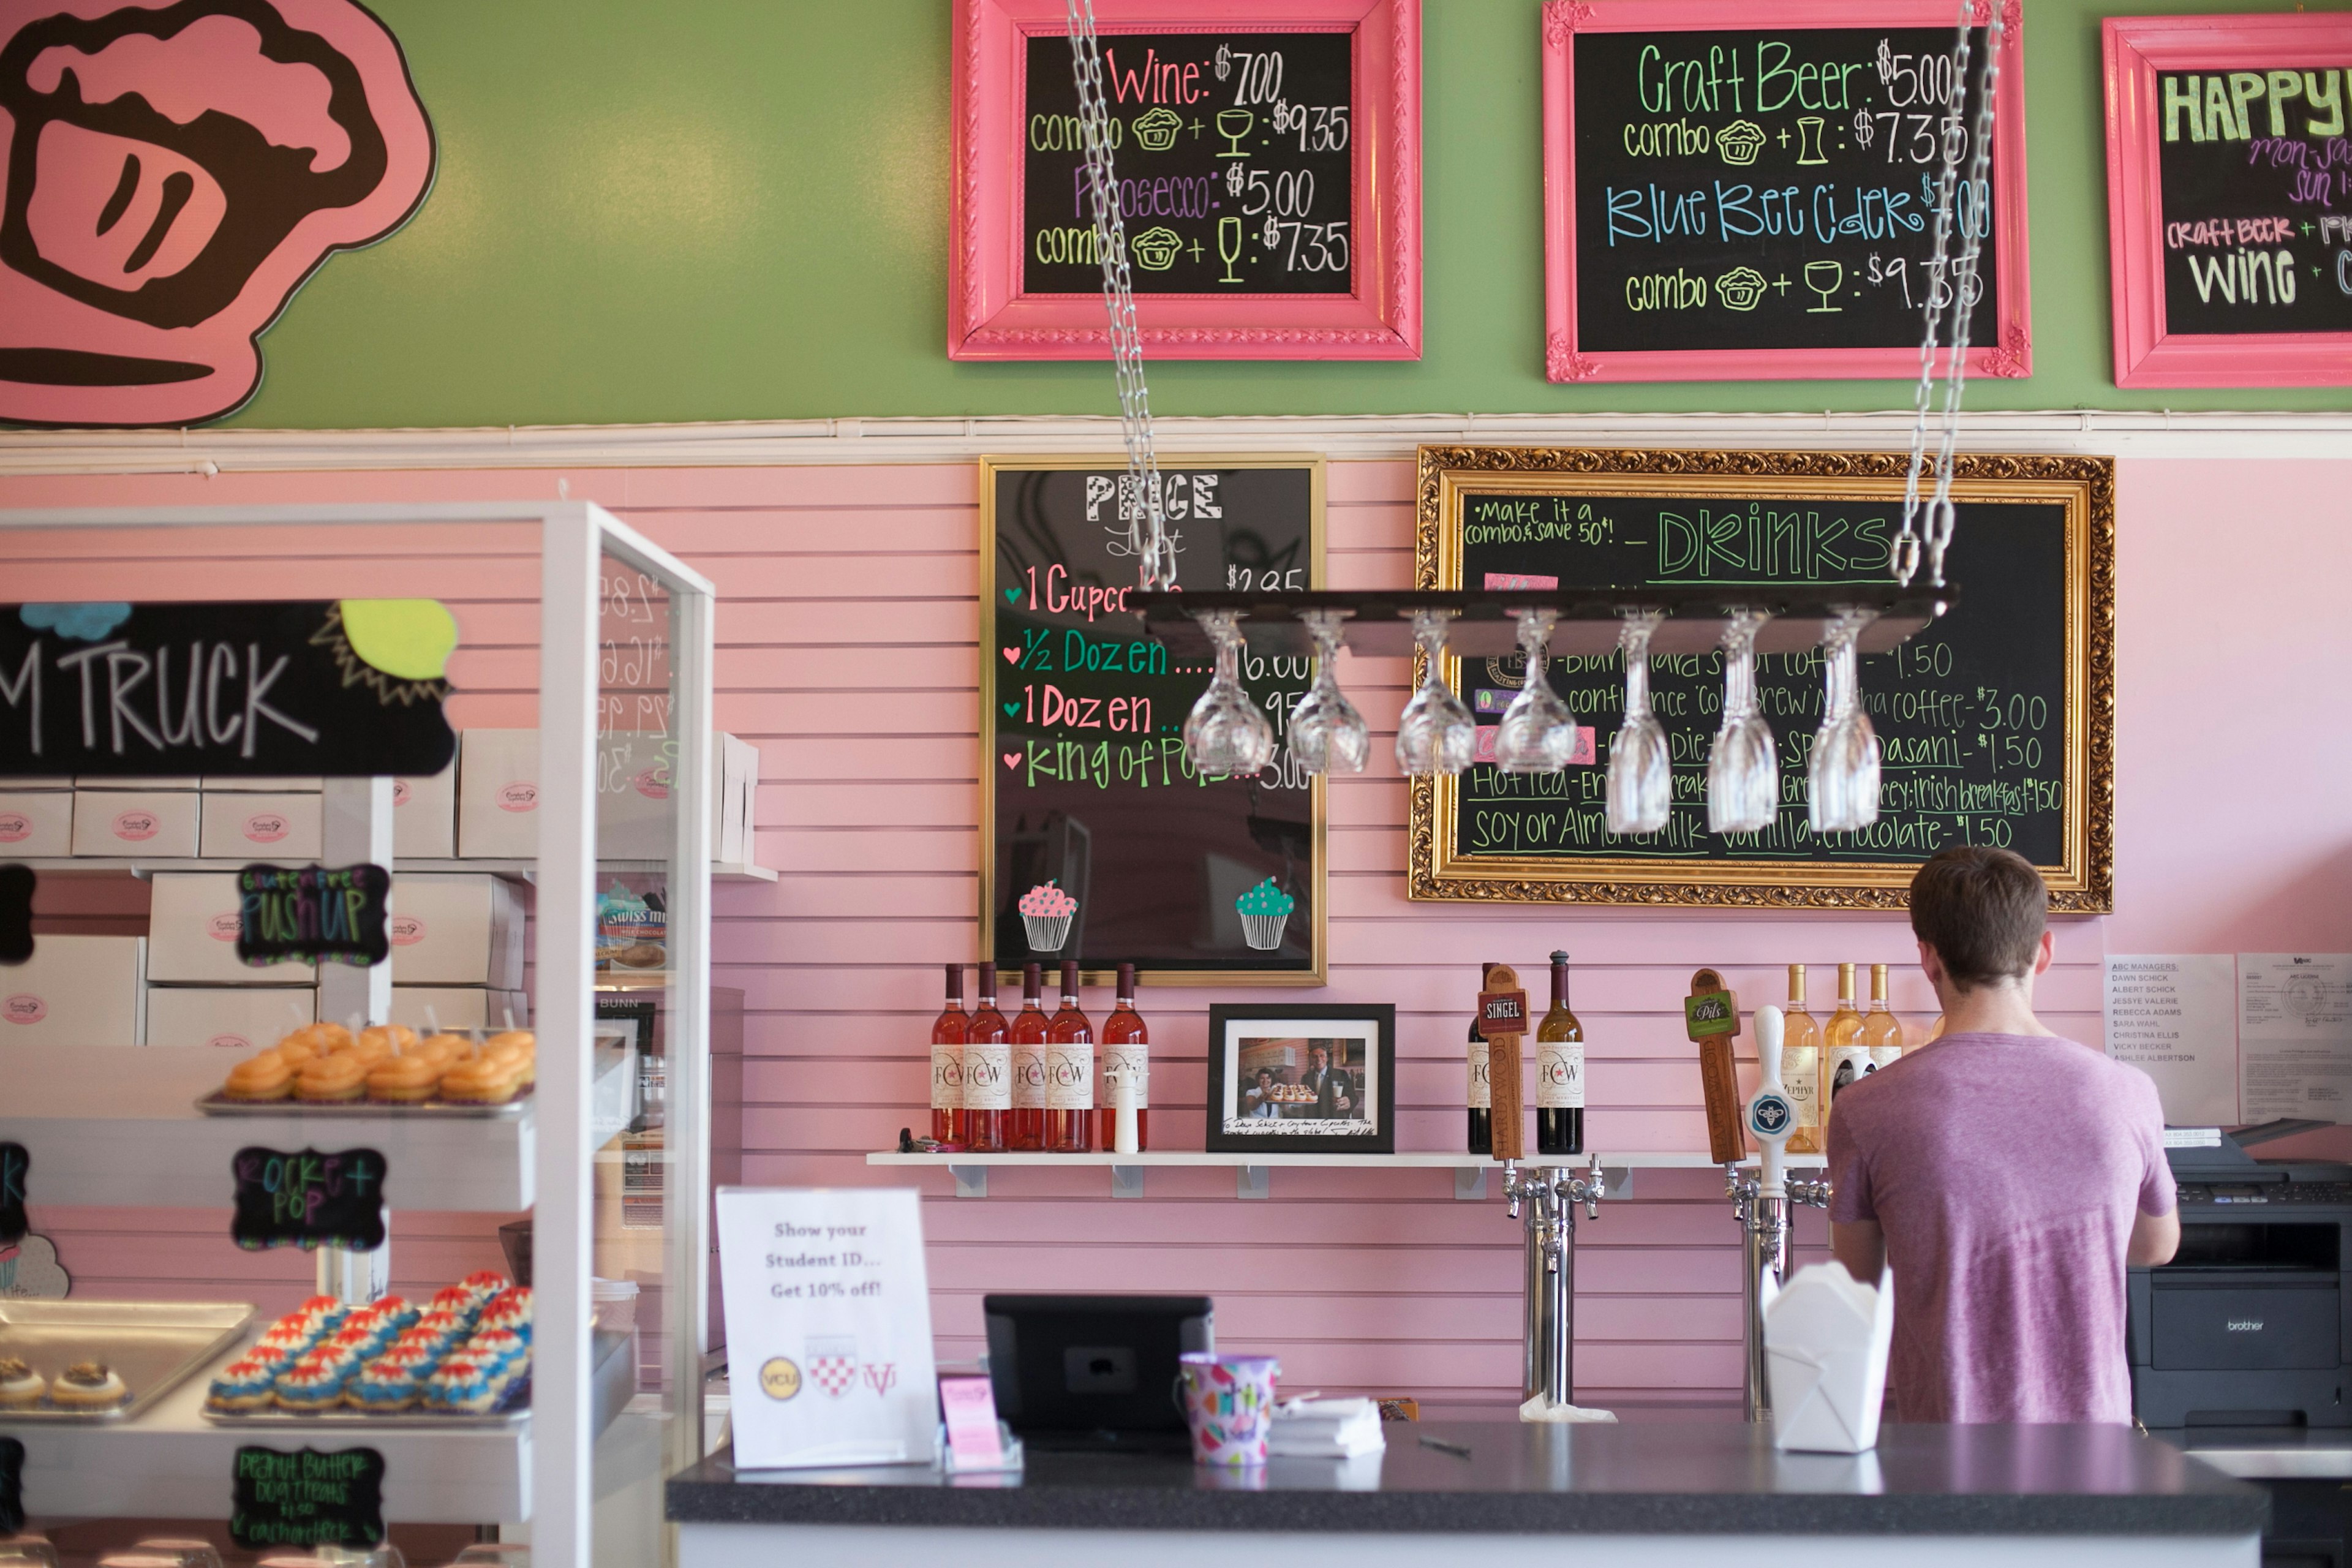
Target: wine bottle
[1560,1071]
[1030,1027]
[987,1073]
[1801,1067]
[1882,1031]
[1481,1100]
[1127,1051]
[947,1033]
[1069,1073]
[1846,1055]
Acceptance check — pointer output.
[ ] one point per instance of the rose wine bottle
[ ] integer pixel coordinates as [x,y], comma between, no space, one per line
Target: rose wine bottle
[1127,1049]
[1882,1031]
[947,1033]
[987,1074]
[1069,1073]
[1801,1067]
[1030,1027]
[1560,1071]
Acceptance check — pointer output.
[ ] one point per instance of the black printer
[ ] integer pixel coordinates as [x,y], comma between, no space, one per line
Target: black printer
[2250,1324]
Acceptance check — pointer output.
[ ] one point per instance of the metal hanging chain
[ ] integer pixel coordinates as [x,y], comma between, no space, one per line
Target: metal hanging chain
[1979,223]
[1148,538]
[1905,548]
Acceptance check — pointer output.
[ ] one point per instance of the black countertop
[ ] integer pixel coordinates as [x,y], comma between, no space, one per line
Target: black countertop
[1669,1479]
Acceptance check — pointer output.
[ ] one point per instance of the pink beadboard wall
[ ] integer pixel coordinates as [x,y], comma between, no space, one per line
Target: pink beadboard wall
[846,633]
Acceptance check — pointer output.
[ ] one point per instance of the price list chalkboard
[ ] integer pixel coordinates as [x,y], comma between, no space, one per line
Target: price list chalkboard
[2255,168]
[1232,153]
[1769,189]
[1082,720]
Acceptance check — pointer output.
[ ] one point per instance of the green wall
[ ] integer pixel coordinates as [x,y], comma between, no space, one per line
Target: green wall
[737,210]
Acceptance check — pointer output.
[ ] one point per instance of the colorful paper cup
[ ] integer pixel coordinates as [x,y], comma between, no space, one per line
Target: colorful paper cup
[1229,1405]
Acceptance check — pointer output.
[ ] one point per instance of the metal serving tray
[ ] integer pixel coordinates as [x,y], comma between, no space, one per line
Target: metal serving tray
[516,1408]
[219,1104]
[153,1345]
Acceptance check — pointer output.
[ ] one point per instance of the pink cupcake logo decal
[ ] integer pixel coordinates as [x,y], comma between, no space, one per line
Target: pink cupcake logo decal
[1047,912]
[173,175]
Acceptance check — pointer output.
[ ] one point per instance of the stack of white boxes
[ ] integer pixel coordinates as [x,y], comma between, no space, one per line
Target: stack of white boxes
[456,951]
[498,795]
[75,991]
[198,991]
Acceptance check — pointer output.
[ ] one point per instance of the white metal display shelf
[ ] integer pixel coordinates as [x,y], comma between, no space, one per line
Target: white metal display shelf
[720,870]
[110,1125]
[1253,1172]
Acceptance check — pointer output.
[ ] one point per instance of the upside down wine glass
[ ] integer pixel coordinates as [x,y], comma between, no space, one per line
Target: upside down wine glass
[1842,775]
[1537,734]
[1327,733]
[1435,733]
[1743,769]
[1225,733]
[1641,774]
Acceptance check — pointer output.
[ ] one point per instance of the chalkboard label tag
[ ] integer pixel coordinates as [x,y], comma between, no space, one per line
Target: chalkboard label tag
[1502,1012]
[308,1199]
[310,911]
[14,1165]
[12,1486]
[307,1498]
[1710,1013]
[16,884]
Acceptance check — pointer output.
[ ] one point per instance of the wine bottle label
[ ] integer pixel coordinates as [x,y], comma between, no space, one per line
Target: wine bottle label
[1560,1074]
[1843,1065]
[1070,1076]
[1133,1059]
[1482,1088]
[988,1077]
[1801,1075]
[1029,1077]
[1884,1055]
[947,1076]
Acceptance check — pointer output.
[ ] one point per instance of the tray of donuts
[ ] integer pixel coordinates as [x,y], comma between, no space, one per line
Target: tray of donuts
[330,1070]
[105,1361]
[462,1359]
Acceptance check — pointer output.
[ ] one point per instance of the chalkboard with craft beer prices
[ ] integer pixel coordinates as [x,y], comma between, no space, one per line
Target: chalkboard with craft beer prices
[1267,163]
[1994,723]
[2230,199]
[1726,200]
[1103,842]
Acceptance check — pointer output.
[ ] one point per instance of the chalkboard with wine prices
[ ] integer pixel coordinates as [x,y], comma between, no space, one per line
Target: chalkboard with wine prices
[1994,723]
[1103,842]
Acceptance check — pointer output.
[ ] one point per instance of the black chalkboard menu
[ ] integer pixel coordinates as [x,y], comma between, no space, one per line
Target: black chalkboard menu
[1232,153]
[1088,794]
[306,1498]
[307,1199]
[2256,170]
[1769,189]
[1990,723]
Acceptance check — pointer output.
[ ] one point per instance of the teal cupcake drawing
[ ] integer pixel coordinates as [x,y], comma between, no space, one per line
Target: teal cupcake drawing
[1265,910]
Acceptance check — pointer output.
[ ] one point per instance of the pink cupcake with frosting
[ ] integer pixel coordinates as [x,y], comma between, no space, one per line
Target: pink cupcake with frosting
[1047,912]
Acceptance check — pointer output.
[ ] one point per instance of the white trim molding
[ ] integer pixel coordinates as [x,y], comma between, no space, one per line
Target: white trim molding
[1341,437]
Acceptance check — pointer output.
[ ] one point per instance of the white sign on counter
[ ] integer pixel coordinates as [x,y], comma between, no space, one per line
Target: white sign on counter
[828,1327]
[2174,1016]
[2295,1036]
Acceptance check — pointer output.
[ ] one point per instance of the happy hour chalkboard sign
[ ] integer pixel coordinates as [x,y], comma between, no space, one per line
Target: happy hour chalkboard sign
[308,1199]
[1267,171]
[348,687]
[1726,200]
[1994,723]
[1082,720]
[2230,198]
[312,912]
[307,1498]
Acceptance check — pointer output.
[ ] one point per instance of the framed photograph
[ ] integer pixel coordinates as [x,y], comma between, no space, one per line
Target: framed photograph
[2226,210]
[1268,160]
[1302,1078]
[1735,192]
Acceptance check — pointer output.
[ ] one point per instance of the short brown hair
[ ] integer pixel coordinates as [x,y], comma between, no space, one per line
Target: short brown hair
[1983,911]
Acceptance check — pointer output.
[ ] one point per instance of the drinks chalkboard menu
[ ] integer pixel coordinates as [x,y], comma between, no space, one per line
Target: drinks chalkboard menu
[1088,798]
[1232,152]
[1768,192]
[1992,724]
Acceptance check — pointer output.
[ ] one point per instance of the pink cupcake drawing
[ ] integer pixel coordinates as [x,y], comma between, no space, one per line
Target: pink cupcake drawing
[1265,910]
[1047,912]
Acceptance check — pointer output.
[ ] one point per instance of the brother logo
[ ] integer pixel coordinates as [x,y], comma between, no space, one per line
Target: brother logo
[2245,1325]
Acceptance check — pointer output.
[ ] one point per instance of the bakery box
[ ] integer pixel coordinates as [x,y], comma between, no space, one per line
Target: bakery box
[247,825]
[458,1008]
[497,795]
[425,815]
[192,919]
[76,991]
[239,1018]
[214,783]
[149,823]
[35,822]
[461,929]
[633,813]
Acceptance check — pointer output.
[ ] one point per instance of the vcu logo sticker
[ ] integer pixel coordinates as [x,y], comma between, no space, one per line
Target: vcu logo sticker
[779,1378]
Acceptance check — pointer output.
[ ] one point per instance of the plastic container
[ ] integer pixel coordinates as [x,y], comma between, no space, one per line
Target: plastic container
[616,1304]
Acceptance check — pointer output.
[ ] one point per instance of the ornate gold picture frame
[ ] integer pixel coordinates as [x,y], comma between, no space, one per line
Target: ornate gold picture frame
[2080,875]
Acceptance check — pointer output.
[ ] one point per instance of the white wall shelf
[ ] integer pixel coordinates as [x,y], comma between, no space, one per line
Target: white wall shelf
[116,865]
[1253,1172]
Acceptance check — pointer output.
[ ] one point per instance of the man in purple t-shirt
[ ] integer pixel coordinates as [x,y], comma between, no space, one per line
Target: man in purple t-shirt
[2008,1176]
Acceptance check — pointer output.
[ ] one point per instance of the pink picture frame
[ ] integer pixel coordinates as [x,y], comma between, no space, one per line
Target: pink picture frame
[2138,51]
[991,318]
[1567,361]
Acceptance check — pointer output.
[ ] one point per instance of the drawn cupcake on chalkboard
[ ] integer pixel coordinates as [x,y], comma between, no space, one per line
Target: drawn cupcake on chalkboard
[1047,912]
[1739,142]
[1265,910]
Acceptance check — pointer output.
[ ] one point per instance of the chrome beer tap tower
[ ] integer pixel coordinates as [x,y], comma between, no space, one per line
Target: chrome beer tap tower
[1761,1202]
[1543,1198]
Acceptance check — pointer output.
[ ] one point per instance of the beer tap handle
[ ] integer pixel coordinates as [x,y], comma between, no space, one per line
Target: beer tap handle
[1771,1117]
